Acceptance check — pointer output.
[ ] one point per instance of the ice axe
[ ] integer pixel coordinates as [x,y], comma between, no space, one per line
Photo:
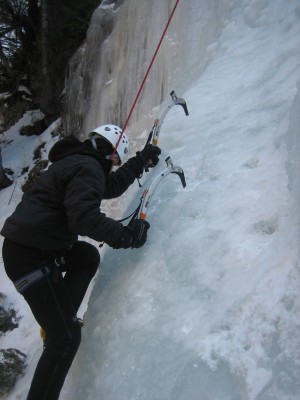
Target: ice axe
[141,211]
[155,130]
[148,192]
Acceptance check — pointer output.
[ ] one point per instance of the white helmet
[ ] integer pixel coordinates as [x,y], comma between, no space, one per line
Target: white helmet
[111,133]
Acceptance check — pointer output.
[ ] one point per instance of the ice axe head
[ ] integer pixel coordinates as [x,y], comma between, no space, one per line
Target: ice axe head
[180,101]
[175,169]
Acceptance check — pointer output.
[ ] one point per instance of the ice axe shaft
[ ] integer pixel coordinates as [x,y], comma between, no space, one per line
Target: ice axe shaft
[154,133]
[149,191]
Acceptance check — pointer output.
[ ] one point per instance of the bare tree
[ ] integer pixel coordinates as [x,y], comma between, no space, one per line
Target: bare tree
[37,38]
[19,20]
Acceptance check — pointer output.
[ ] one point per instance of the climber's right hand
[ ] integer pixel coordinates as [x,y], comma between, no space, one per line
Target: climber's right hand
[134,235]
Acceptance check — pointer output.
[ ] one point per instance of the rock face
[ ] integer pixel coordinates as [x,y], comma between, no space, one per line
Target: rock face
[12,361]
[12,364]
[8,316]
[4,180]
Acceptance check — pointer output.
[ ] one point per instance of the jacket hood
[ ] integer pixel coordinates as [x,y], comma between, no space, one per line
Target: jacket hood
[71,145]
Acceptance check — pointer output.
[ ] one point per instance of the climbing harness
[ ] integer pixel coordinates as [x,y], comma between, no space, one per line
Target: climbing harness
[26,281]
[29,279]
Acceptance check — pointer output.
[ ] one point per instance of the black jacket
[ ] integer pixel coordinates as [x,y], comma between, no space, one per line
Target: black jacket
[65,200]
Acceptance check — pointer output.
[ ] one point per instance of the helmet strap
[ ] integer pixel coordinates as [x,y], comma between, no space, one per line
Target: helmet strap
[94,144]
[102,146]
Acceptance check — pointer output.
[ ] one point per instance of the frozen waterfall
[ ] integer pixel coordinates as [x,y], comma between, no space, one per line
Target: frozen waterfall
[209,307]
[105,73]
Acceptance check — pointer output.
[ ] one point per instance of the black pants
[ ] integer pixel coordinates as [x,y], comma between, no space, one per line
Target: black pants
[54,302]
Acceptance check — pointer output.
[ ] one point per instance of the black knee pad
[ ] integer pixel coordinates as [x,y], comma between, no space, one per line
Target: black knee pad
[85,256]
[76,334]
[68,341]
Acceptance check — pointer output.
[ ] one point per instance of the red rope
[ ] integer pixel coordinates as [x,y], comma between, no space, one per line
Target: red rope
[145,77]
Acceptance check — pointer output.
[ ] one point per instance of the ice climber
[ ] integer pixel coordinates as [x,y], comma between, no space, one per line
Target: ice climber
[42,255]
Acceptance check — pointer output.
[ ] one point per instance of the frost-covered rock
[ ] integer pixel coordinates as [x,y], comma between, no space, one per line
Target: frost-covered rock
[8,316]
[12,364]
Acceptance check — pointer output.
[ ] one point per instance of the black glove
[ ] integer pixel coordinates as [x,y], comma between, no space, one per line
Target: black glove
[149,155]
[134,235]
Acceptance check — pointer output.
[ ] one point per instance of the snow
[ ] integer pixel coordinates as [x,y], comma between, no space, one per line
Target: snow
[209,307]
[17,154]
